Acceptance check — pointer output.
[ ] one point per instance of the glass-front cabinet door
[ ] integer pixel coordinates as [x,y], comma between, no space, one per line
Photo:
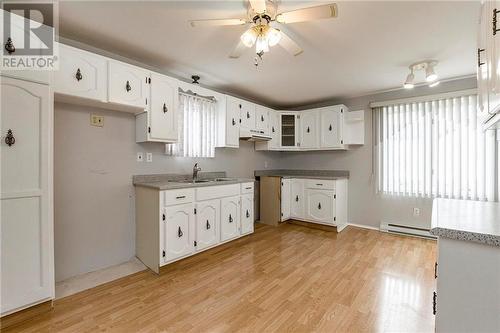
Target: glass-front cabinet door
[289,130]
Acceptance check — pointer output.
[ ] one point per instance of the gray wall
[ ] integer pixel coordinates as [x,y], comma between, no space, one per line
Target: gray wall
[365,206]
[93,192]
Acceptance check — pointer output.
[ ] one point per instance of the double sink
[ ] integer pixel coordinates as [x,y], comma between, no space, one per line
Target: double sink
[197,181]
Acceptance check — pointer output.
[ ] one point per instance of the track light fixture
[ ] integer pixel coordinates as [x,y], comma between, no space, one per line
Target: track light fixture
[430,74]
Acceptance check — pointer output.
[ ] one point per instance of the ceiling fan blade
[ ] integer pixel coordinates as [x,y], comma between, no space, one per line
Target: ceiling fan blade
[238,50]
[216,22]
[259,6]
[289,45]
[308,14]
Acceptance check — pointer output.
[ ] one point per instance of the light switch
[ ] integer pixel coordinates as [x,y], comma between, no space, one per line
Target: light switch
[96,120]
[149,157]
[140,157]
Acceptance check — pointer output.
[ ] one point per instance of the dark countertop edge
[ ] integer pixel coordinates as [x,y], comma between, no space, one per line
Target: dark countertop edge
[467,236]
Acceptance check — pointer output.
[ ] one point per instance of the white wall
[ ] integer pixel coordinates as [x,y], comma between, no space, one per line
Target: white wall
[365,206]
[93,192]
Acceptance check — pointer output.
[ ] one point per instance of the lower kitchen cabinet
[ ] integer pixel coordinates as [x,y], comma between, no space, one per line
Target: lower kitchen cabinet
[207,224]
[285,199]
[320,206]
[297,201]
[178,232]
[230,218]
[174,224]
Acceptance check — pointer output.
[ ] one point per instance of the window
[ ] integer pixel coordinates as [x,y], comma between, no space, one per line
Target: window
[435,148]
[197,127]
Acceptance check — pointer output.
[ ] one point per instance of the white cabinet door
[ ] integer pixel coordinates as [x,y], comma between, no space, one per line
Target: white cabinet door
[27,248]
[247,114]
[81,74]
[493,54]
[178,231]
[274,129]
[207,223]
[163,108]
[320,206]
[247,218]
[297,201]
[232,122]
[483,63]
[230,218]
[289,130]
[262,119]
[309,136]
[331,127]
[127,85]
[285,199]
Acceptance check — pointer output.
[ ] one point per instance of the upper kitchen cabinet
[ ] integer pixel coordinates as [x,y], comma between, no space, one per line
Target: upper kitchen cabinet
[159,122]
[229,124]
[274,133]
[262,119]
[488,54]
[127,85]
[81,74]
[331,127]
[289,130]
[247,115]
[309,134]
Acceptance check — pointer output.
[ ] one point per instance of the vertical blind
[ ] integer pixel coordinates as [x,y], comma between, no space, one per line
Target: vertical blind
[197,128]
[435,148]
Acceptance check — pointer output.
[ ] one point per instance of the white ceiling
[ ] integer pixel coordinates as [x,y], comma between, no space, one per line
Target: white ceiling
[367,48]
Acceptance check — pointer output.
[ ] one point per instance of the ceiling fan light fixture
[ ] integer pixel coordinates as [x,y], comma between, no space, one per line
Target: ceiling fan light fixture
[262,44]
[409,83]
[273,36]
[249,37]
[430,75]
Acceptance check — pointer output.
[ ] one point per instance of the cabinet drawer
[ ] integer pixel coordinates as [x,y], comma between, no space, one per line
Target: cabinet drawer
[176,197]
[247,188]
[214,192]
[321,184]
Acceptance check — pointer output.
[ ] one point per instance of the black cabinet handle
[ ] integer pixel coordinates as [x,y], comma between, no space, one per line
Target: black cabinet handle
[239,106]
[330,128]
[479,63]
[230,219]
[495,30]
[261,118]
[128,87]
[180,197]
[165,109]
[308,130]
[179,232]
[78,75]
[248,115]
[319,205]
[233,122]
[435,270]
[163,217]
[208,225]
[297,198]
[247,214]
[434,303]
[272,129]
[9,138]
[9,46]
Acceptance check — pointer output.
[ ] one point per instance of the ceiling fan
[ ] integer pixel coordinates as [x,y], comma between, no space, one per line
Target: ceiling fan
[264,33]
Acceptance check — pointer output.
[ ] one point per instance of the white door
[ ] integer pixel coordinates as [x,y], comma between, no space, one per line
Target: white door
[331,127]
[207,223]
[309,136]
[285,199]
[230,218]
[247,218]
[178,231]
[320,206]
[232,122]
[297,202]
[262,119]
[127,85]
[27,244]
[82,74]
[247,114]
[163,110]
[274,129]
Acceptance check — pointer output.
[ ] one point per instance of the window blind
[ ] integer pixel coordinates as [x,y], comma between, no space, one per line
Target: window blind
[197,128]
[435,148]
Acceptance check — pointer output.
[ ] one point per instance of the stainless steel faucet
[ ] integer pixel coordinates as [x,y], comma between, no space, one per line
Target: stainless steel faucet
[196,169]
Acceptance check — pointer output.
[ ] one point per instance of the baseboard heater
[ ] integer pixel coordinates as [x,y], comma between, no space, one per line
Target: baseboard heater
[406,230]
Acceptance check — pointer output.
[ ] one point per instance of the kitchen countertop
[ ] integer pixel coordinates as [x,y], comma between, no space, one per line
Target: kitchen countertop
[174,181]
[471,221]
[297,173]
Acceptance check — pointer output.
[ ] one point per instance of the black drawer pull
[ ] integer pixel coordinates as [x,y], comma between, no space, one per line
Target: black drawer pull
[248,115]
[9,138]
[181,197]
[330,128]
[495,13]
[319,205]
[230,219]
[434,303]
[319,184]
[248,214]
[78,75]
[248,188]
[297,198]
[479,63]
[233,122]
[272,129]
[9,46]
[165,109]
[128,87]
[179,232]
[435,270]
[308,130]
[208,225]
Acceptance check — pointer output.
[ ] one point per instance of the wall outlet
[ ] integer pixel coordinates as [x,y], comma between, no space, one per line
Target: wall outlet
[140,157]
[96,120]
[416,211]
[149,157]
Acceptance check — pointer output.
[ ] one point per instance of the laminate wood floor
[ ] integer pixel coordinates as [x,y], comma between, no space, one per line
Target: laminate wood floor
[280,279]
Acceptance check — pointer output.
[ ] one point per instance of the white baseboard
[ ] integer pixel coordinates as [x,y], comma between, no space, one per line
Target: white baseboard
[363,226]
